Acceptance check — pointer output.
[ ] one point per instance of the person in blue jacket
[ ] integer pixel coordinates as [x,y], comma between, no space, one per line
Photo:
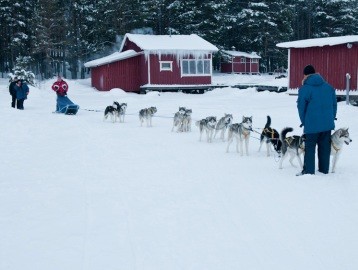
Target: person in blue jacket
[317,109]
[22,90]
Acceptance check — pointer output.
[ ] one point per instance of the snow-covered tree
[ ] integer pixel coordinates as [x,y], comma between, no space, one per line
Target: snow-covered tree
[21,70]
[334,18]
[60,35]
[15,19]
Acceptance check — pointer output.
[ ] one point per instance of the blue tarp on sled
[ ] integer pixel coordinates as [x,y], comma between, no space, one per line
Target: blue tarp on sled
[66,106]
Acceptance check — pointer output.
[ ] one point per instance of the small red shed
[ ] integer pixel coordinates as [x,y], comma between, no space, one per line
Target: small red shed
[240,62]
[147,62]
[335,58]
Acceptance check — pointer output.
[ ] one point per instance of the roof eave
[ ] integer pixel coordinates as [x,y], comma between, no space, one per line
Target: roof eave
[89,65]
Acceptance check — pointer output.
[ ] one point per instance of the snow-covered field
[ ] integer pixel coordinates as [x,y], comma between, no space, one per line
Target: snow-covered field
[80,193]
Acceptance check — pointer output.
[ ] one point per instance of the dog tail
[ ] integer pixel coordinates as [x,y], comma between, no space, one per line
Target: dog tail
[284,132]
[268,123]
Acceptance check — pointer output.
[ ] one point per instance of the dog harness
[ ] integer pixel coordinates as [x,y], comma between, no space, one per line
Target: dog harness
[289,140]
[270,131]
[245,132]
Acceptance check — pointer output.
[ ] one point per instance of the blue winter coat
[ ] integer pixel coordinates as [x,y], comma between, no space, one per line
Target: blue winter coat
[21,92]
[317,105]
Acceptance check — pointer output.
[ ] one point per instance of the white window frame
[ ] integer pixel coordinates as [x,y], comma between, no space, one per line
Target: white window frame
[166,68]
[196,61]
[243,60]
[254,60]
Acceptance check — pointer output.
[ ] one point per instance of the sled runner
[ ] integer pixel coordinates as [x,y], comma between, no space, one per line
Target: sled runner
[66,106]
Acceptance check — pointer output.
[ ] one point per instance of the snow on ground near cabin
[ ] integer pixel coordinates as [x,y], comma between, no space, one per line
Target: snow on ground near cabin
[80,193]
[239,79]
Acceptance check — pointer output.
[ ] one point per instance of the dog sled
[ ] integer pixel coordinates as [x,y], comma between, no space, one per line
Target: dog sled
[66,106]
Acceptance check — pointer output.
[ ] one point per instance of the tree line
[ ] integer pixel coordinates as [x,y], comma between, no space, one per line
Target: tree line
[59,36]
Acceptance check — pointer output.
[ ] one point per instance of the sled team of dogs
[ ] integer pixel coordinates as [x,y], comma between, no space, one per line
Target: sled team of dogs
[292,146]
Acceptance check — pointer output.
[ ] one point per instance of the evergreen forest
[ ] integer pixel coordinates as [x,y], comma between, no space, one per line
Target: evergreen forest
[53,36]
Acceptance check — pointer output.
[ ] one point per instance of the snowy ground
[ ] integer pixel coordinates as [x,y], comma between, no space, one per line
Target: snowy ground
[80,193]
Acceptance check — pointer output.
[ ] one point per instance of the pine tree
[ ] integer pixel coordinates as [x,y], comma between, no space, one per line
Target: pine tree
[15,17]
[21,70]
[303,19]
[334,18]
[48,40]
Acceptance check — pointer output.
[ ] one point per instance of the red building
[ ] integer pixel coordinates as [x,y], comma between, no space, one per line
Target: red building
[240,62]
[146,62]
[332,57]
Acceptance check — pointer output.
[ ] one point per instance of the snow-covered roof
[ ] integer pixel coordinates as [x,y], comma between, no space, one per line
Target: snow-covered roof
[111,58]
[244,54]
[179,45]
[319,42]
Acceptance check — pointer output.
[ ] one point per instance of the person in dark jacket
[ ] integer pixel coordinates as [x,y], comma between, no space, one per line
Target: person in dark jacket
[13,92]
[22,90]
[317,109]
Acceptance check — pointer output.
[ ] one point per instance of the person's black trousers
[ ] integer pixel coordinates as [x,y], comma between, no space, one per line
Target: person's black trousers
[323,142]
[13,101]
[20,104]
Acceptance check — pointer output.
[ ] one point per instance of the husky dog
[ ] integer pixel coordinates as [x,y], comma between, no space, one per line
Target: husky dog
[187,120]
[111,111]
[147,114]
[270,136]
[338,138]
[293,146]
[241,132]
[208,124]
[178,119]
[122,111]
[222,125]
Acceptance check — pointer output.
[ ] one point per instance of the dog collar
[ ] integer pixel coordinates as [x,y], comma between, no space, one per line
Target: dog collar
[335,147]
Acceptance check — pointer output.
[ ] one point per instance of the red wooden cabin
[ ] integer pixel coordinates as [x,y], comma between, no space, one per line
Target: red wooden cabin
[240,62]
[332,57]
[162,62]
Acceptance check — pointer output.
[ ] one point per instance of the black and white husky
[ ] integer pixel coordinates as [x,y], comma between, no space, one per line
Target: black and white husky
[241,132]
[271,137]
[112,112]
[122,111]
[187,120]
[293,146]
[222,125]
[338,139]
[147,115]
[208,125]
[178,119]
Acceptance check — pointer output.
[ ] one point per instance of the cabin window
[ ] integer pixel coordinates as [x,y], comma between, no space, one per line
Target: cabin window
[243,60]
[254,60]
[166,66]
[195,67]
